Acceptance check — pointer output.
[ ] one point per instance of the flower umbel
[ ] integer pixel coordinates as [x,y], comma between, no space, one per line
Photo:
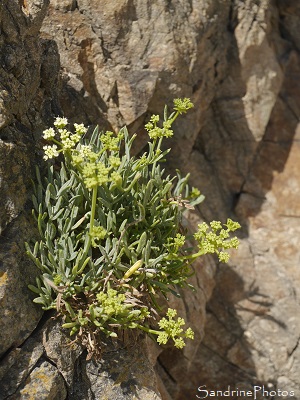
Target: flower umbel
[60,122]
[182,105]
[49,133]
[172,329]
[156,132]
[216,240]
[50,152]
[80,129]
[97,233]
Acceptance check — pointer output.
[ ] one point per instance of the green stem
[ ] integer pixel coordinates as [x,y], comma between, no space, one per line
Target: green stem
[136,178]
[159,143]
[195,255]
[192,256]
[93,210]
[151,154]
[175,116]
[154,151]
[148,330]
[92,219]
[56,142]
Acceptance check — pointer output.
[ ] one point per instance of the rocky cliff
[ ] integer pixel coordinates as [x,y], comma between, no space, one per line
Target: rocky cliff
[115,63]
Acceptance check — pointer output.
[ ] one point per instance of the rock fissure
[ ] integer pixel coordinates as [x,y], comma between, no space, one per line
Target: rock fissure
[166,371]
[231,364]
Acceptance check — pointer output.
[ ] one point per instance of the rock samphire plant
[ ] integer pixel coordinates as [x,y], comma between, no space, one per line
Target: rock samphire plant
[110,233]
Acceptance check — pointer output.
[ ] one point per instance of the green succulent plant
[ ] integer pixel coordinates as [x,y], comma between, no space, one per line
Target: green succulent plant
[110,232]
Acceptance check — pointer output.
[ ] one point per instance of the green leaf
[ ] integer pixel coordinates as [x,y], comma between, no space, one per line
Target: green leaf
[35,203]
[142,212]
[65,187]
[40,300]
[69,309]
[57,215]
[142,243]
[34,289]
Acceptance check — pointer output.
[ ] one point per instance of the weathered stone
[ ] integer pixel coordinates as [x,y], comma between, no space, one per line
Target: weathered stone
[25,372]
[19,316]
[60,351]
[64,5]
[237,63]
[251,333]
[123,373]
[18,365]
[24,103]
[45,383]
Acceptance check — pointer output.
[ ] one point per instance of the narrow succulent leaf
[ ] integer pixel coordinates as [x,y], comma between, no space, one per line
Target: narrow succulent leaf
[142,243]
[40,300]
[34,289]
[84,264]
[56,215]
[70,309]
[133,269]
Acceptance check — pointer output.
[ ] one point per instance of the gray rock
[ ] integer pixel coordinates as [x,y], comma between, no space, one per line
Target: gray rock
[24,101]
[44,383]
[239,63]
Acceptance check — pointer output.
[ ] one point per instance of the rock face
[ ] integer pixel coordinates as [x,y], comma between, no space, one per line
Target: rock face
[250,140]
[120,62]
[36,359]
[47,367]
[25,97]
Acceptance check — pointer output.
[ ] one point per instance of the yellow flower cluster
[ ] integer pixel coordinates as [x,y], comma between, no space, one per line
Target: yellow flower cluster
[216,240]
[182,105]
[50,152]
[67,139]
[94,172]
[156,132]
[173,329]
[97,233]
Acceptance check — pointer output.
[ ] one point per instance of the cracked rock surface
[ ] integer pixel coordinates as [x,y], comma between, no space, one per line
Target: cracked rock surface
[120,62]
[47,367]
[37,361]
